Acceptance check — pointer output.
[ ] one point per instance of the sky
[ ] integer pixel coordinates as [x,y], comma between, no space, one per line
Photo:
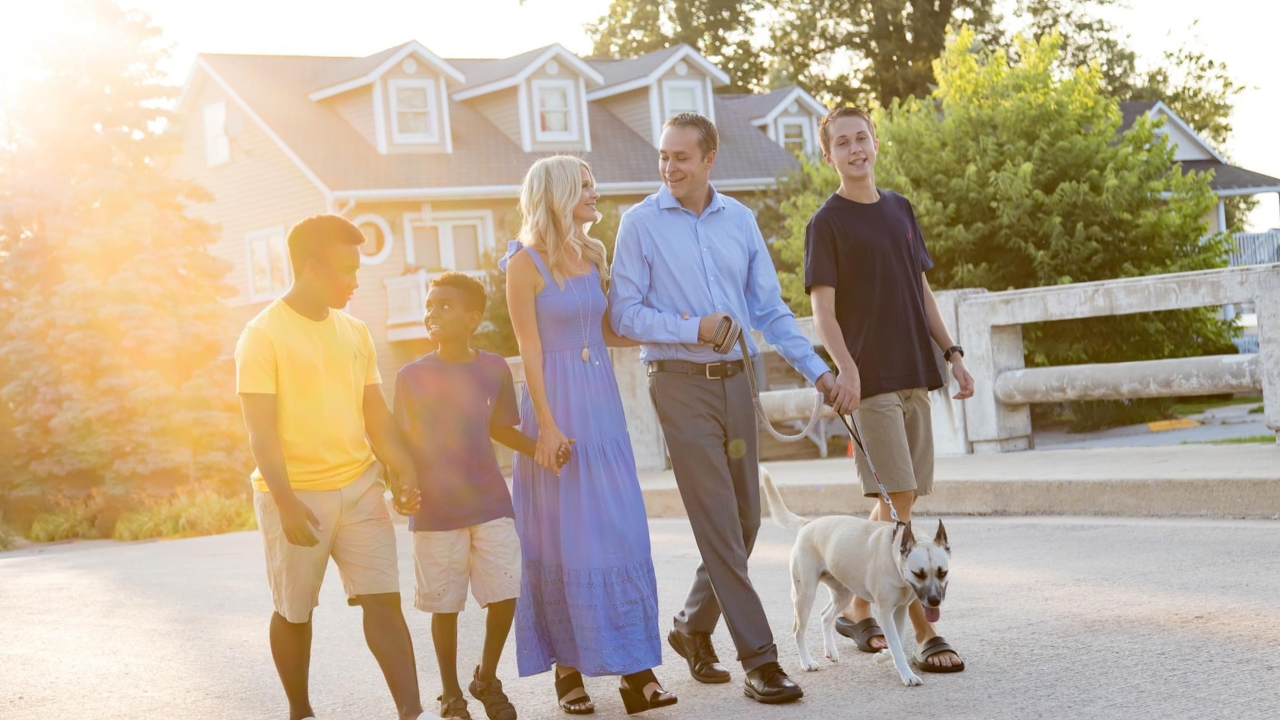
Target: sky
[1240,32]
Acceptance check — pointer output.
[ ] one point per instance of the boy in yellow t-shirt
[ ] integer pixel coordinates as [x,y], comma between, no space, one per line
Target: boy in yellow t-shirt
[309,387]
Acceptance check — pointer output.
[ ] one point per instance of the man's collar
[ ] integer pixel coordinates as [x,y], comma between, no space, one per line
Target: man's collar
[667,201]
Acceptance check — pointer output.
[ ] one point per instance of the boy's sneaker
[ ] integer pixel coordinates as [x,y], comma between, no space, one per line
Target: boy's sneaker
[453,708]
[496,704]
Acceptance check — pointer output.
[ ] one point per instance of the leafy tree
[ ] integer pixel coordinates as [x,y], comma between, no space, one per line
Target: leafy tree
[1018,180]
[719,29]
[1086,38]
[112,327]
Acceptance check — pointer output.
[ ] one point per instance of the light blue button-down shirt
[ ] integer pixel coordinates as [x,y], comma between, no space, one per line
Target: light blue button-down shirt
[669,262]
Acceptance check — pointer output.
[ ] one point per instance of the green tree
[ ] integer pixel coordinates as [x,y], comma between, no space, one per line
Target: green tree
[719,29]
[112,326]
[1086,38]
[1019,180]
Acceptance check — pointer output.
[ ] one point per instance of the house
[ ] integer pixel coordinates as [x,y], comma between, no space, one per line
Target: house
[426,154]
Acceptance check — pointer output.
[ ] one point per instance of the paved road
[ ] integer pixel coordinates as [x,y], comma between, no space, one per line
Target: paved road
[1057,617]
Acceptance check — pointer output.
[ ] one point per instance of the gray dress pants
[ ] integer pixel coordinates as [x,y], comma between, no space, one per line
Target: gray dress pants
[710,429]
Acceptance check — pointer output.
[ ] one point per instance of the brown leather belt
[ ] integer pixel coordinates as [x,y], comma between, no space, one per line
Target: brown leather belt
[711,371]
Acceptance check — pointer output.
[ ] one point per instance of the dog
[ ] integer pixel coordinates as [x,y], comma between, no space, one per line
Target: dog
[879,562]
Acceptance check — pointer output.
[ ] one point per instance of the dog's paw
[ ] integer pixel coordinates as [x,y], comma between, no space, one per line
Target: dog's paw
[833,654]
[912,680]
[809,665]
[883,656]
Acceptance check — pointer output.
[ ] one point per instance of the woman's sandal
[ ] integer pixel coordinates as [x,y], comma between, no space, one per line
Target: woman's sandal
[862,633]
[935,646]
[635,700]
[566,684]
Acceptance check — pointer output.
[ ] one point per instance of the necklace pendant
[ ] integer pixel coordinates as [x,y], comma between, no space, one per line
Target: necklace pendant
[586,354]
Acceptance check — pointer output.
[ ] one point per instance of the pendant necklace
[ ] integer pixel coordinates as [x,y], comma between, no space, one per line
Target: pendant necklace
[586,354]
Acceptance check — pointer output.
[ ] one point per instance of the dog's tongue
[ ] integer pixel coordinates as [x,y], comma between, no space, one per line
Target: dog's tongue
[932,614]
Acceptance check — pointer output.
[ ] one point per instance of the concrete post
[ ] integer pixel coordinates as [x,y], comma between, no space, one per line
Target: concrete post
[1267,304]
[993,427]
[642,420]
[949,436]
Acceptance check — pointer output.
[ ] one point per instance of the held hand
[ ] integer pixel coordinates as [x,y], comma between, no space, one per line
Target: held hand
[565,454]
[846,392]
[297,520]
[550,443]
[962,376]
[407,499]
[707,326]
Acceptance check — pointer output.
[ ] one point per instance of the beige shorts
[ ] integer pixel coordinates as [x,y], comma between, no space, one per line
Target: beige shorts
[356,532]
[486,555]
[897,428]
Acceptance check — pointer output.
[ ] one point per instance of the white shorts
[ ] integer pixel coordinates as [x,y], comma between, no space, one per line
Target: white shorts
[485,555]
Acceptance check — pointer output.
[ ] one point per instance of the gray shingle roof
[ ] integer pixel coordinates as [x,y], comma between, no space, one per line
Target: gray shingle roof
[276,88]
[616,72]
[483,71]
[1229,177]
[757,106]
[1131,110]
[339,70]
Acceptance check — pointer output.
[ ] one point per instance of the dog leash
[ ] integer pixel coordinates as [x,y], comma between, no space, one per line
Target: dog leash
[724,345]
[856,434]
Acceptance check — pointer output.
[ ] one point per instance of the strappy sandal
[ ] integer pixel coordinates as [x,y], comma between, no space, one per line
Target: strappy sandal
[935,646]
[635,700]
[453,708]
[566,684]
[496,704]
[862,632]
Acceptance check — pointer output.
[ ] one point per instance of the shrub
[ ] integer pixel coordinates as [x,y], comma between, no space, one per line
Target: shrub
[73,517]
[201,510]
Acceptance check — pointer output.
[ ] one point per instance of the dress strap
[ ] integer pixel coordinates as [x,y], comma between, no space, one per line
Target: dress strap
[514,247]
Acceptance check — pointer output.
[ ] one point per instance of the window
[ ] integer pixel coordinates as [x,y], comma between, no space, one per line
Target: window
[554,110]
[269,273]
[377,238]
[413,111]
[796,134]
[680,96]
[449,243]
[217,146]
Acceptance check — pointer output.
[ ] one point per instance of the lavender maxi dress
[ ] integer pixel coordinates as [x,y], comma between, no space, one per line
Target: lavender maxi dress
[588,598]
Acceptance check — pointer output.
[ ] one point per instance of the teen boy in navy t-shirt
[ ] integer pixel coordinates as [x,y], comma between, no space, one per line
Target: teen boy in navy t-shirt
[864,265]
[448,405]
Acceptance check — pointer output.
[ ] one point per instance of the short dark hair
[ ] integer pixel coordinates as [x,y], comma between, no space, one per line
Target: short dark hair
[308,236]
[824,125]
[708,136]
[473,293]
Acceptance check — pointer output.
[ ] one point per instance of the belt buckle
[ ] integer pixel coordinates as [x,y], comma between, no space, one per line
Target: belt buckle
[707,369]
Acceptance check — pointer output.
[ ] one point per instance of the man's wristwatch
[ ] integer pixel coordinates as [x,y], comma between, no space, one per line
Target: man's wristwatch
[953,350]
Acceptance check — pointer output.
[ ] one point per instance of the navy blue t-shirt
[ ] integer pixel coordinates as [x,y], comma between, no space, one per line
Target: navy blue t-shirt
[445,411]
[873,254]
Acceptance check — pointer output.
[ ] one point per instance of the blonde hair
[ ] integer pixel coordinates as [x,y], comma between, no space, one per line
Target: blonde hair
[548,195]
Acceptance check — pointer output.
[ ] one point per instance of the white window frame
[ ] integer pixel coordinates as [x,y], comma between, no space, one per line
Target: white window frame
[806,125]
[217,145]
[571,109]
[387,238]
[445,222]
[695,85]
[433,110]
[274,235]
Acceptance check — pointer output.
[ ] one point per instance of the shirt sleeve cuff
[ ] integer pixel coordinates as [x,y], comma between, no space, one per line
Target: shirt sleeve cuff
[688,330]
[814,368]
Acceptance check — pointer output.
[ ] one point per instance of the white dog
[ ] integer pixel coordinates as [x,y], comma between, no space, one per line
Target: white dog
[883,564]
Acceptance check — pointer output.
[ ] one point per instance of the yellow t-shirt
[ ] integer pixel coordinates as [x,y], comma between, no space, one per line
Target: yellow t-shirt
[318,372]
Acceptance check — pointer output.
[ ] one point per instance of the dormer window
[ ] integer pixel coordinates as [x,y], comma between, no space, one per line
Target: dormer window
[796,134]
[555,110]
[217,146]
[680,96]
[414,114]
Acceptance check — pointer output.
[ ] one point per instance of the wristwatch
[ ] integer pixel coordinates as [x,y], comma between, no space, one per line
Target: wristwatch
[953,350]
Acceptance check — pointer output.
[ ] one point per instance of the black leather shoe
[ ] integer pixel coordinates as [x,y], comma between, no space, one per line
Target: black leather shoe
[768,684]
[697,649]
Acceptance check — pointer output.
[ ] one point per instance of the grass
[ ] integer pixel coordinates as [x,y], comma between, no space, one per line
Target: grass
[75,517]
[1192,408]
[187,513]
[7,537]
[1257,410]
[1248,440]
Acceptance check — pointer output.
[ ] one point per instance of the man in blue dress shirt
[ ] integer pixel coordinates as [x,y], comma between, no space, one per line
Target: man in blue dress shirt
[686,257]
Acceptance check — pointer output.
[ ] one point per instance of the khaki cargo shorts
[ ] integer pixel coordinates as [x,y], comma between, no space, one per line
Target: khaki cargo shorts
[486,555]
[897,428]
[357,534]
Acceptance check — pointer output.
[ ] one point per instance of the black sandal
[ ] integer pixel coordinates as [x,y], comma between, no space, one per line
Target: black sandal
[566,684]
[862,632]
[635,700]
[935,646]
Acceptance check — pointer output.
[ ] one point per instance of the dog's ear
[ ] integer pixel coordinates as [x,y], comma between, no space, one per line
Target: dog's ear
[908,540]
[941,538]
